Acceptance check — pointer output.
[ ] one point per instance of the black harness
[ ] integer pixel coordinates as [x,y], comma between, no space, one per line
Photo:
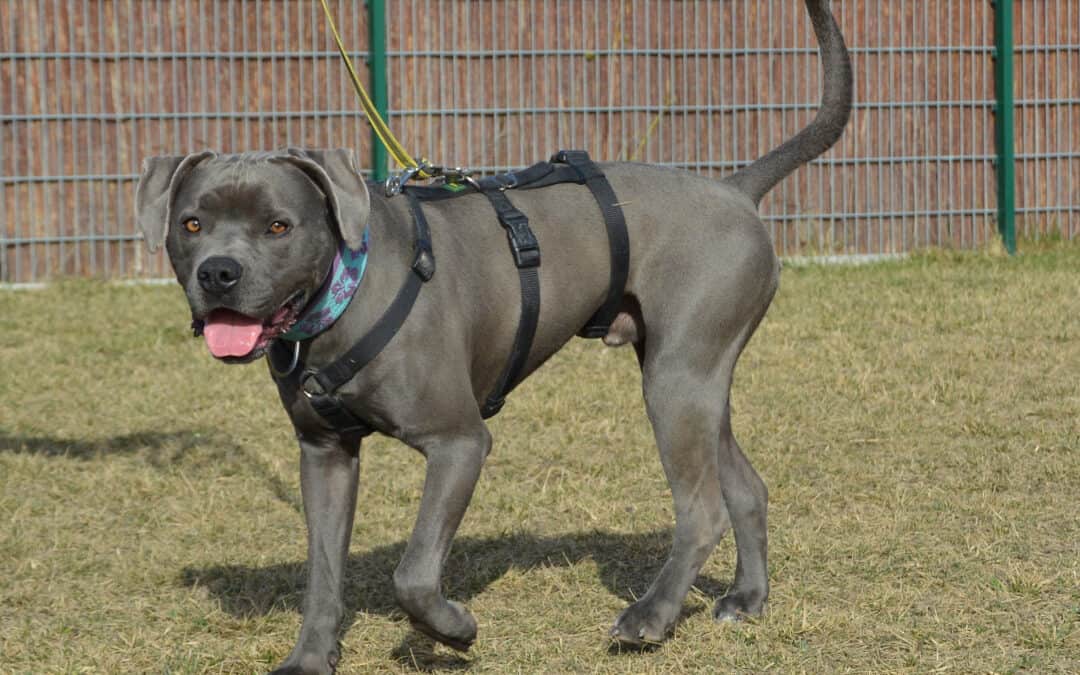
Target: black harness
[566,166]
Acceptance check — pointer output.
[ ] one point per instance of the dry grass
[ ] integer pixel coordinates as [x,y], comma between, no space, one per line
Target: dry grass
[916,423]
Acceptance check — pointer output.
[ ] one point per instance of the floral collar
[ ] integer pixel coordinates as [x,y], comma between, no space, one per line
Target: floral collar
[334,296]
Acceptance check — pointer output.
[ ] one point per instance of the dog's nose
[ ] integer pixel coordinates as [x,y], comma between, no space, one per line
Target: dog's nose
[218,274]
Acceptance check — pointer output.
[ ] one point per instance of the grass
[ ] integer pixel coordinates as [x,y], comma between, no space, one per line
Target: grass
[916,423]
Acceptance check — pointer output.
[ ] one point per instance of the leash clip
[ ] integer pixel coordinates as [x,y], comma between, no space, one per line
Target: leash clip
[454,175]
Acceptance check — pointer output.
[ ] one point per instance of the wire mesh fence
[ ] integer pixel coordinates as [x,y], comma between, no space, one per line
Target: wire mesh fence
[89,87]
[1048,117]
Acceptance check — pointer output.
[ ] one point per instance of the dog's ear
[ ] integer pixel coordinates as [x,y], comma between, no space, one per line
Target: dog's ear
[161,177]
[335,172]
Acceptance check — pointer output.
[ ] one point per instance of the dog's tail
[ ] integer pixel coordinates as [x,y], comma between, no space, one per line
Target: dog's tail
[757,179]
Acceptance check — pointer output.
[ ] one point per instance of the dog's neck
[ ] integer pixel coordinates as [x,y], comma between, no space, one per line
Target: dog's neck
[334,295]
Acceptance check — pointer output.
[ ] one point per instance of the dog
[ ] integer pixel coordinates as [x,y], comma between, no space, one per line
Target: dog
[251,238]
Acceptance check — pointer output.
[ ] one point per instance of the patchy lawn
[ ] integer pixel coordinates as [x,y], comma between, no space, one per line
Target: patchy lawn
[915,421]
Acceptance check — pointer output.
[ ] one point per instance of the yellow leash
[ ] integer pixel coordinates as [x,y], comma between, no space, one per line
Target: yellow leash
[378,124]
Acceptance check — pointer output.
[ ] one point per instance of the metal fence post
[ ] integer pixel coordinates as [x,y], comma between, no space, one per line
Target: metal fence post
[377,69]
[1005,122]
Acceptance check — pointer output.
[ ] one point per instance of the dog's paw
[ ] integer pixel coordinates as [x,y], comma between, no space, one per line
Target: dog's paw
[642,625]
[738,607]
[451,624]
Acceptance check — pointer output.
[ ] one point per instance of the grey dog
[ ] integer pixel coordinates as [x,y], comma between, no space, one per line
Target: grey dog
[254,235]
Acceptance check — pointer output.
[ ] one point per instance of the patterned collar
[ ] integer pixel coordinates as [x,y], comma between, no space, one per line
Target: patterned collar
[334,296]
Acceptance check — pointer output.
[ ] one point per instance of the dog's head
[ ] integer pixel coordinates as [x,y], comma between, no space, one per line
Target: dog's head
[252,236]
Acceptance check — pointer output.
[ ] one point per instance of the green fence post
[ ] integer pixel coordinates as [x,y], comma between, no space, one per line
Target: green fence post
[377,68]
[1005,122]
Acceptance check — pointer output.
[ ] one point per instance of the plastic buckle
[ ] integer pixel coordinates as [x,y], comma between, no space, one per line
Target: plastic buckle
[492,407]
[571,157]
[310,386]
[522,240]
[580,162]
[424,261]
[509,181]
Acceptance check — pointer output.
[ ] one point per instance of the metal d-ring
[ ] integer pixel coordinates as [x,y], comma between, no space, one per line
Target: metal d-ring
[292,364]
[395,183]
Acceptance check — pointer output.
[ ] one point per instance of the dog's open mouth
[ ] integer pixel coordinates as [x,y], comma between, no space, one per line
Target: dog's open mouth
[237,337]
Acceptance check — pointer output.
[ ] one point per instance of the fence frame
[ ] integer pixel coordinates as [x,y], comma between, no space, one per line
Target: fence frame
[1005,123]
[380,95]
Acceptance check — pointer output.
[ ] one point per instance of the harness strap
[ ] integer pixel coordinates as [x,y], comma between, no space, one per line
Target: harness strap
[566,166]
[536,176]
[331,409]
[319,385]
[618,239]
[526,251]
[513,179]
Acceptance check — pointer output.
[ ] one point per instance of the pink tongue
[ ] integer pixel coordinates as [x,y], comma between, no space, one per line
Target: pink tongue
[230,333]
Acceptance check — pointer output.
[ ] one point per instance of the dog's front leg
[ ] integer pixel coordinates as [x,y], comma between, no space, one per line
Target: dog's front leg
[329,472]
[453,467]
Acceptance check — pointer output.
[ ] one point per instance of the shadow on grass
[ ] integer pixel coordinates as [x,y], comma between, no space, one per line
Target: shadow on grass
[159,449]
[417,652]
[177,443]
[627,564]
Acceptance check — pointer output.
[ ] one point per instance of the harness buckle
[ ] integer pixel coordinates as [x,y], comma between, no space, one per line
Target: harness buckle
[310,385]
[424,261]
[492,407]
[580,162]
[523,242]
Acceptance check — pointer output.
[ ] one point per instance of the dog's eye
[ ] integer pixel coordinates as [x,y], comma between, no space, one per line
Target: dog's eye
[278,227]
[192,225]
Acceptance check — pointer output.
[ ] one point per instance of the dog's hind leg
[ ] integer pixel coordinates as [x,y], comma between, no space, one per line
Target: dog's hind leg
[747,499]
[688,353]
[453,467]
[713,487]
[686,427]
